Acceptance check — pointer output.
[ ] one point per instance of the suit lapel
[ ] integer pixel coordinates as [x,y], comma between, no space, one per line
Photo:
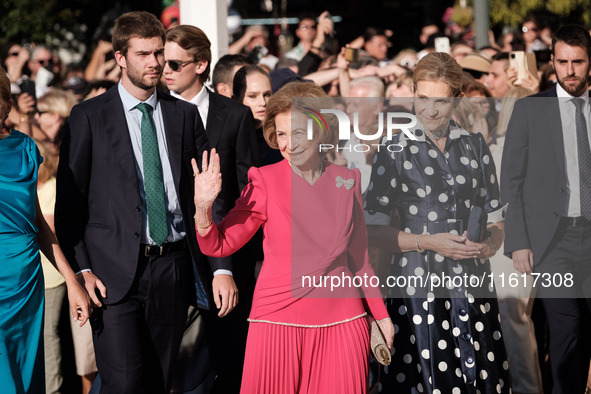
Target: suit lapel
[554,127]
[173,129]
[216,119]
[115,127]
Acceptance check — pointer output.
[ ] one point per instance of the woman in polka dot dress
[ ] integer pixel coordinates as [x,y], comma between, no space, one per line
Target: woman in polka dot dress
[448,333]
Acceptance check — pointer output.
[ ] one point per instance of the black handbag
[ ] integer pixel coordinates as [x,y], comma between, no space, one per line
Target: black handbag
[476,223]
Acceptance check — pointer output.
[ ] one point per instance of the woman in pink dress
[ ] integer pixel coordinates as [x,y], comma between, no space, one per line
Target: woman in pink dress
[303,338]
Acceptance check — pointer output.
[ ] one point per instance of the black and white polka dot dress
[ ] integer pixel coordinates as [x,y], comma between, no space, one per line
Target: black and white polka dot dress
[448,339]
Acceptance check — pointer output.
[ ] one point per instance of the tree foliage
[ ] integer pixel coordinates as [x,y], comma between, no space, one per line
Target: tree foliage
[36,20]
[512,12]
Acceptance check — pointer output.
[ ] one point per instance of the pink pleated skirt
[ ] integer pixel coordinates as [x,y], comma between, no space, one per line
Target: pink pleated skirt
[282,359]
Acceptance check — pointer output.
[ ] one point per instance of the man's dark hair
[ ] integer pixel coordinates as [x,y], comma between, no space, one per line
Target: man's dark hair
[139,24]
[286,62]
[223,70]
[482,48]
[534,19]
[574,36]
[306,15]
[500,56]
[371,32]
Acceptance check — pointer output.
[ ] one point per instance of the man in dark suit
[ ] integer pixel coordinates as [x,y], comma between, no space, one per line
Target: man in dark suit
[124,212]
[229,126]
[546,179]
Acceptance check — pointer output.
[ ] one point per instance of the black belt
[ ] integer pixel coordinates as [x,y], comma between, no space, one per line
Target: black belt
[157,250]
[578,221]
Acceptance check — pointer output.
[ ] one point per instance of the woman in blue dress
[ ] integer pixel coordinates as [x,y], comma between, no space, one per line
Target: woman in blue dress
[23,233]
[419,201]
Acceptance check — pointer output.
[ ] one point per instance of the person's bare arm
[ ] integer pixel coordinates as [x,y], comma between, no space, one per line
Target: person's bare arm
[77,296]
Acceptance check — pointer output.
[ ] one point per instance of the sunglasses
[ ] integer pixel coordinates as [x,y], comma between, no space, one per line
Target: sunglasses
[45,62]
[177,65]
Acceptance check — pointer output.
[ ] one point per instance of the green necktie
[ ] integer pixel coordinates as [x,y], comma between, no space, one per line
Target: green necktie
[153,183]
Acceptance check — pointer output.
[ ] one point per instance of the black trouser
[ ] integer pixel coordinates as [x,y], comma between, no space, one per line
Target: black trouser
[569,350]
[137,340]
[226,337]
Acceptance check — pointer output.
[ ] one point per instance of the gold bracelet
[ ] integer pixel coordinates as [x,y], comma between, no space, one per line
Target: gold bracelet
[203,227]
[418,248]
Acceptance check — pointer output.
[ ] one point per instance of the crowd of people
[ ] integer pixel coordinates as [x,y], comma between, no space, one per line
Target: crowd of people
[176,205]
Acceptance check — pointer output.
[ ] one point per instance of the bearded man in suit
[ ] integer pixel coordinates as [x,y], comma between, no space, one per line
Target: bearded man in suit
[124,212]
[546,180]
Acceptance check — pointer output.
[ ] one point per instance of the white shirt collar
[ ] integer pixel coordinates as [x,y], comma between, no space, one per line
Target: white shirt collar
[130,102]
[560,92]
[201,99]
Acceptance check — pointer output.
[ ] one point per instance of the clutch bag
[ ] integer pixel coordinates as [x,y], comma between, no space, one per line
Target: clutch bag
[378,345]
[476,223]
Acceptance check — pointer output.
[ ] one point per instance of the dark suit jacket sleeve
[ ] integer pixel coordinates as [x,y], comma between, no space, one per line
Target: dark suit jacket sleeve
[247,154]
[71,210]
[202,145]
[309,63]
[513,172]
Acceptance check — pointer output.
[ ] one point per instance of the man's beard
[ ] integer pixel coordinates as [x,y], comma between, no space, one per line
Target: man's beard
[577,89]
[137,78]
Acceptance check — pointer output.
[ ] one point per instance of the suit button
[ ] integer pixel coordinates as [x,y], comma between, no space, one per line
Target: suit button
[556,214]
[562,189]
[138,209]
[136,234]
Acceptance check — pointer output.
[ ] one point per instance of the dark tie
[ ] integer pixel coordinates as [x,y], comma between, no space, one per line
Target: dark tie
[584,158]
[153,183]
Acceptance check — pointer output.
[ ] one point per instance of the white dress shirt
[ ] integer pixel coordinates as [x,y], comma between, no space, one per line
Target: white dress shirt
[569,135]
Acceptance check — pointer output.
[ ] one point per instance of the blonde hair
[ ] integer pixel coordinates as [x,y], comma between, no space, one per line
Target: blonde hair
[58,102]
[48,168]
[439,66]
[280,102]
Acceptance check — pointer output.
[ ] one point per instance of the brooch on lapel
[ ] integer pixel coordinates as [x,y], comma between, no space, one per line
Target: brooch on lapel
[349,183]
